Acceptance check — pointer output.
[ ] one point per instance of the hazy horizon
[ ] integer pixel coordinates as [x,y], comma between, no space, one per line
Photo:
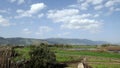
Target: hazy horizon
[62,38]
[82,19]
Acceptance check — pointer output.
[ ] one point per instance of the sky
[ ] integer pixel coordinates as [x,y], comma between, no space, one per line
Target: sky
[81,19]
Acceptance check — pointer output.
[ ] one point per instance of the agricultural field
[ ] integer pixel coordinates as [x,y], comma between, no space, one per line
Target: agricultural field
[96,59]
[23,53]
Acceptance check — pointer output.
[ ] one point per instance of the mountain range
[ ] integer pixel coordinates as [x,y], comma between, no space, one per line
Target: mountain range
[28,41]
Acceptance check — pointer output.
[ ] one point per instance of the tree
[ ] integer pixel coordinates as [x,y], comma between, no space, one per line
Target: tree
[106,45]
[41,57]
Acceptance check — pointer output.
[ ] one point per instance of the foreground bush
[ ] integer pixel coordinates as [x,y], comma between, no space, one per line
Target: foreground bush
[41,57]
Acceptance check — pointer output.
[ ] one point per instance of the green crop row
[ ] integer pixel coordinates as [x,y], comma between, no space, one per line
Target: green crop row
[89,53]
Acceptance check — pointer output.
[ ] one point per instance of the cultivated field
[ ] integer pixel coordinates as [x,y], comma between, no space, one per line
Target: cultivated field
[94,58]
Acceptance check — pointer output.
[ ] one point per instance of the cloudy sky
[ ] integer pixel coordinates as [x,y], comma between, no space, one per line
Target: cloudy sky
[83,19]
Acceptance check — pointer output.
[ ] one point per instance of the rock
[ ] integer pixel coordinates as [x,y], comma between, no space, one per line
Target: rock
[80,65]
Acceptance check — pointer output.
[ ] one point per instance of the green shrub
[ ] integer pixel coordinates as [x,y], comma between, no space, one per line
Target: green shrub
[41,57]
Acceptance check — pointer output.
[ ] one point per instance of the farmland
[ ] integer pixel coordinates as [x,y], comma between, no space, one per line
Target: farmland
[96,59]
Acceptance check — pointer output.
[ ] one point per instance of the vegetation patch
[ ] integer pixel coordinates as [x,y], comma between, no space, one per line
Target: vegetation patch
[105,65]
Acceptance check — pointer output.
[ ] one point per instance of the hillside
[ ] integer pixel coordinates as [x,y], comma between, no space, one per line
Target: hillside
[20,41]
[74,41]
[27,41]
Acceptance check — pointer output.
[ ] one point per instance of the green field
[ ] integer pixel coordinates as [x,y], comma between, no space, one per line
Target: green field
[63,55]
[89,53]
[23,53]
[105,65]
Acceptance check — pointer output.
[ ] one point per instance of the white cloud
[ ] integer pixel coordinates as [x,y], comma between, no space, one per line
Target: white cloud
[12,1]
[93,2]
[43,29]
[113,9]
[21,1]
[71,19]
[26,31]
[20,11]
[85,24]
[62,13]
[3,21]
[96,15]
[40,15]
[58,15]
[18,1]
[112,6]
[72,6]
[63,34]
[80,1]
[34,8]
[98,7]
[111,3]
[84,6]
[3,11]
[96,1]
[117,9]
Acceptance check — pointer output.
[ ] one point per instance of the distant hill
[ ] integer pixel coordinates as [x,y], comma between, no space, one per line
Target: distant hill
[20,41]
[28,41]
[74,41]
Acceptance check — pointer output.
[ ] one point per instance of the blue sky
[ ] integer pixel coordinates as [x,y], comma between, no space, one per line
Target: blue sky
[82,19]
